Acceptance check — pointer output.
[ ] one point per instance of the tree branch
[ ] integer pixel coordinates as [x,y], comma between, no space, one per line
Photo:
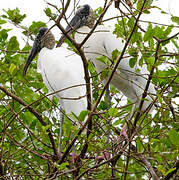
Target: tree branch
[159,41]
[145,162]
[35,113]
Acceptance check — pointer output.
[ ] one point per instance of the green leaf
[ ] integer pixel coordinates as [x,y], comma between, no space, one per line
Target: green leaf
[133,52]
[139,145]
[161,169]
[169,171]
[120,28]
[137,37]
[147,4]
[48,12]
[151,60]
[175,19]
[174,138]
[2,21]
[45,90]
[115,54]
[4,34]
[177,80]
[175,44]
[73,116]
[92,69]
[141,61]
[159,158]
[168,30]
[98,11]
[113,112]
[37,85]
[139,4]
[62,166]
[14,15]
[132,62]
[82,115]
[103,105]
[13,44]
[131,22]
[46,127]
[36,26]
[104,74]
[162,32]
[149,33]
[117,122]
[104,60]
[12,68]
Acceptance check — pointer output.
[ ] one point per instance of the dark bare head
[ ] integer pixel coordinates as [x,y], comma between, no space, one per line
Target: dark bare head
[84,17]
[43,39]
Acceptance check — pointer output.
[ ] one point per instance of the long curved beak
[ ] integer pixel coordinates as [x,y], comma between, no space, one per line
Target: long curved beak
[33,52]
[73,25]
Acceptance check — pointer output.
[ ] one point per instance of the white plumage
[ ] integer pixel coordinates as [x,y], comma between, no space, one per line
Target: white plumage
[126,79]
[60,69]
[103,42]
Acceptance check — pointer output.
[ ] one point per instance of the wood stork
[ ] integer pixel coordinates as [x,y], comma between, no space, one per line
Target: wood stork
[103,42]
[60,69]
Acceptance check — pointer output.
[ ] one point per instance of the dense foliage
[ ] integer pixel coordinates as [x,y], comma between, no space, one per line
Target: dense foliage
[30,120]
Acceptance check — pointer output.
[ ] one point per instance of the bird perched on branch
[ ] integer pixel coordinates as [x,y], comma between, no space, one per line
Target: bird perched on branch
[103,42]
[62,72]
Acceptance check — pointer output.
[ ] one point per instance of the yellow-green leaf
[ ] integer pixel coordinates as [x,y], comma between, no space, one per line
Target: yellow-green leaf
[174,137]
[12,68]
[113,112]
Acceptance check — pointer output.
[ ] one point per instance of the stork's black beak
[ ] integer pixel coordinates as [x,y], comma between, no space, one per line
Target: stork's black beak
[74,24]
[33,52]
[79,20]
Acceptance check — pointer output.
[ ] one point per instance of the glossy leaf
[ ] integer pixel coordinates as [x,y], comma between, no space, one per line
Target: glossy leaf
[175,19]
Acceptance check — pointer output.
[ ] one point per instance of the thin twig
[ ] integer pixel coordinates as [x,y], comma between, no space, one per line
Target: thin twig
[25,147]
[11,51]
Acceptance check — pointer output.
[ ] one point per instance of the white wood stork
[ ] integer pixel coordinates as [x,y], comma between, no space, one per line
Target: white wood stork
[102,42]
[60,69]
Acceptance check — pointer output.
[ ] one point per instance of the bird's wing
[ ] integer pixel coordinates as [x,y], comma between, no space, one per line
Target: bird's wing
[61,71]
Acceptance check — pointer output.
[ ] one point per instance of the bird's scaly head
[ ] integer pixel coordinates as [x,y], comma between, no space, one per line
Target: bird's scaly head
[85,16]
[43,39]
[46,38]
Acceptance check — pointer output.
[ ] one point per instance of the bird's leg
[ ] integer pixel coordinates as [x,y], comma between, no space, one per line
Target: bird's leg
[106,154]
[60,135]
[123,134]
[132,112]
[108,97]
[73,152]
